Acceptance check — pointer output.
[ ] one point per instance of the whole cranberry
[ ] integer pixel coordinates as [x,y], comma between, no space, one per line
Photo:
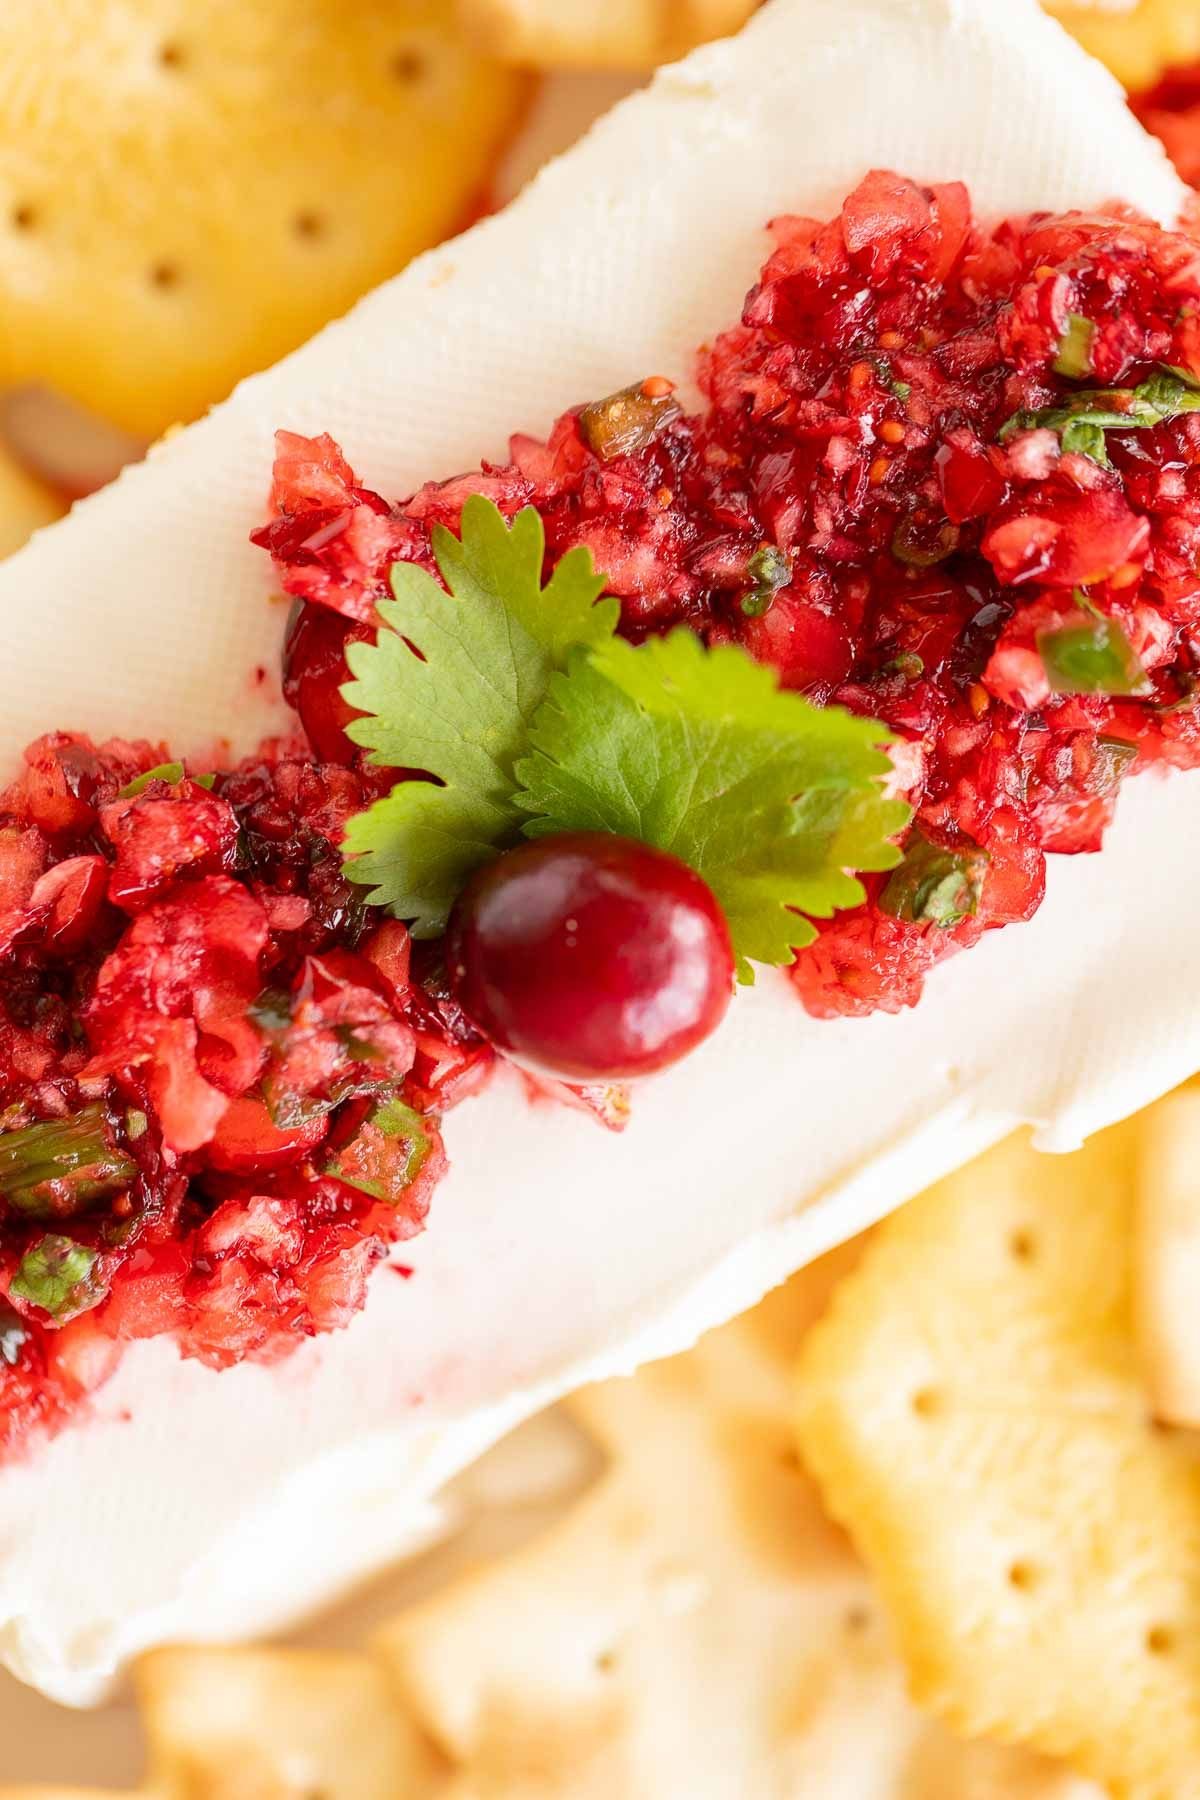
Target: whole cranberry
[590,956]
[314,669]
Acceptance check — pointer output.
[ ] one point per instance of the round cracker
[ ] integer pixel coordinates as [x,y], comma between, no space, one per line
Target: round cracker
[25,505]
[599,34]
[1138,42]
[190,188]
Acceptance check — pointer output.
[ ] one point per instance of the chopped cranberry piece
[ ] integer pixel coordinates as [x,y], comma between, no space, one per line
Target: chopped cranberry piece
[81,1356]
[309,472]
[186,970]
[811,649]
[333,542]
[887,219]
[1072,540]
[971,485]
[168,830]
[869,963]
[247,1142]
[314,670]
[389,951]
[22,859]
[70,896]
[66,778]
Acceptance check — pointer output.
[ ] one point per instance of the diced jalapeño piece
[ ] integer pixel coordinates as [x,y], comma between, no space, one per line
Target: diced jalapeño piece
[935,885]
[386,1153]
[59,1276]
[1074,357]
[170,772]
[768,570]
[63,1166]
[629,420]
[1095,658]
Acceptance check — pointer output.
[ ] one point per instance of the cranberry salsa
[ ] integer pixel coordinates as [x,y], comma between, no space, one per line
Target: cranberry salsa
[945,478]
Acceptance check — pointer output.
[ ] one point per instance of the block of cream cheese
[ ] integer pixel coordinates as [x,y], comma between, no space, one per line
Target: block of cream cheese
[199,1505]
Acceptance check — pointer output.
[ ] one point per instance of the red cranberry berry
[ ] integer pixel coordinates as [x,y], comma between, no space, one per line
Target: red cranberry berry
[314,669]
[590,956]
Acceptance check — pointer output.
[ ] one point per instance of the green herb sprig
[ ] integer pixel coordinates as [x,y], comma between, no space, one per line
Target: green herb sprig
[1083,420]
[535,718]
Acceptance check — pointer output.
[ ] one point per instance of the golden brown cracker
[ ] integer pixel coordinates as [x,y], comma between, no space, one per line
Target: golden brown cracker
[190,188]
[1138,43]
[974,1410]
[1166,1257]
[598,34]
[277,1725]
[25,504]
[696,1629]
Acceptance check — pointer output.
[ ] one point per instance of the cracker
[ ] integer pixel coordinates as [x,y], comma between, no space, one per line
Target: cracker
[276,1725]
[1166,1257]
[1138,43]
[598,34]
[69,450]
[211,182]
[25,504]
[696,1629]
[974,1410]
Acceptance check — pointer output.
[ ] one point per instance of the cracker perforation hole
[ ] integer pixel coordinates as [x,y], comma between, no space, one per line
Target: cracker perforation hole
[309,225]
[927,1402]
[1023,1576]
[1022,1246]
[856,1620]
[171,55]
[606,1662]
[164,276]
[1160,1640]
[23,217]
[408,65]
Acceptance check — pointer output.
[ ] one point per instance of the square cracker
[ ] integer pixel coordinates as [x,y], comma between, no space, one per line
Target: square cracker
[696,1629]
[277,1725]
[974,1408]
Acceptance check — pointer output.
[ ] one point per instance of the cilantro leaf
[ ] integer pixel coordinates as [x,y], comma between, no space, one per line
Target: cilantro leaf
[449,687]
[518,700]
[771,799]
[170,772]
[1082,420]
[417,846]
